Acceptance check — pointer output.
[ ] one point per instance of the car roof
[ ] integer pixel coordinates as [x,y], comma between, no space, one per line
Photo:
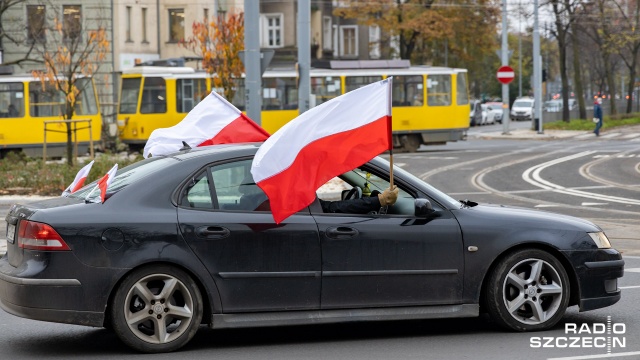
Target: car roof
[200,151]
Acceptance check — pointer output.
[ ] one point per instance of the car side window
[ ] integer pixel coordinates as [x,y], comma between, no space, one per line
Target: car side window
[198,194]
[235,188]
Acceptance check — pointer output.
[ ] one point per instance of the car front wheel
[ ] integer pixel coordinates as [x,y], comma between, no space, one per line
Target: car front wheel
[528,291]
[156,309]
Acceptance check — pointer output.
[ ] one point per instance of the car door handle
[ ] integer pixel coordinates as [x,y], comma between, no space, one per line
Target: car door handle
[341,232]
[213,232]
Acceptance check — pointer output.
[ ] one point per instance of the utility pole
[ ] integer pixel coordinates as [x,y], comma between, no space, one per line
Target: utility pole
[304,54]
[520,54]
[253,81]
[505,62]
[537,70]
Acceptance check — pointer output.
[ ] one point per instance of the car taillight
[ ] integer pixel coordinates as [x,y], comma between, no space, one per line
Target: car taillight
[39,236]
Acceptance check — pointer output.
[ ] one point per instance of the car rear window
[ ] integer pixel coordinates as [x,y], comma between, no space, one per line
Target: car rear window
[523,104]
[125,176]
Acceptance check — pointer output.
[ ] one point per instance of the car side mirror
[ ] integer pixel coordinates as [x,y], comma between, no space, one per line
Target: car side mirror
[423,207]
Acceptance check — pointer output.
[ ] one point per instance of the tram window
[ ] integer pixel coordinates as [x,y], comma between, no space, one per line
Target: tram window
[439,90]
[462,93]
[11,100]
[45,100]
[238,97]
[129,95]
[325,88]
[154,96]
[356,82]
[279,94]
[189,92]
[86,103]
[407,90]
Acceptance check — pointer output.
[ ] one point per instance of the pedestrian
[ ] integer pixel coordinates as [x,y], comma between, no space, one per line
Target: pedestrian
[597,115]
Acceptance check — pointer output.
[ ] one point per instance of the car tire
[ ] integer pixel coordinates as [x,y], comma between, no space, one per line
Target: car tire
[156,309]
[527,291]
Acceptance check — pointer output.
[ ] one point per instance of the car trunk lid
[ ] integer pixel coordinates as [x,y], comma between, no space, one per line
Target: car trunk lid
[19,212]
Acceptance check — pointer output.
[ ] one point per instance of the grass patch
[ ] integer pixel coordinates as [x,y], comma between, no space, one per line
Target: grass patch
[28,176]
[608,122]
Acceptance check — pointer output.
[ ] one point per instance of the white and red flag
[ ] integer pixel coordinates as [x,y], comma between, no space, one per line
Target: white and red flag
[213,121]
[324,142]
[78,182]
[106,180]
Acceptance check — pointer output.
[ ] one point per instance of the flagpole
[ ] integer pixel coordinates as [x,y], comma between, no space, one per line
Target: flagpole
[390,133]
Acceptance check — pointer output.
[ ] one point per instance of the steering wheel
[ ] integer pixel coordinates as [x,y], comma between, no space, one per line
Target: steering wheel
[354,193]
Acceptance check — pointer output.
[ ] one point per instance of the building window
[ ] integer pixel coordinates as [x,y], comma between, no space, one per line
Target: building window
[272,30]
[176,25]
[206,15]
[374,42]
[72,21]
[326,33]
[349,41]
[144,25]
[36,22]
[129,24]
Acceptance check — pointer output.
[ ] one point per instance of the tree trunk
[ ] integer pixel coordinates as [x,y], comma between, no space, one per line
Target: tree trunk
[562,48]
[68,116]
[582,109]
[611,83]
[630,86]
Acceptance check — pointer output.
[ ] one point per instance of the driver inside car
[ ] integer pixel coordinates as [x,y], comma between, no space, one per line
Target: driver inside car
[362,205]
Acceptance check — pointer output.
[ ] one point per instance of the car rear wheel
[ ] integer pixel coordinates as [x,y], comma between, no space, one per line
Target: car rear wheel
[156,309]
[528,291]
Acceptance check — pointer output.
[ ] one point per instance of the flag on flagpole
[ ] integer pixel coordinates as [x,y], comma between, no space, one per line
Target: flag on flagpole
[322,143]
[105,181]
[213,121]
[78,182]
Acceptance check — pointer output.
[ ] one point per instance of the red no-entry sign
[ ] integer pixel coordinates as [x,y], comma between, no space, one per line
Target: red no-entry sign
[505,74]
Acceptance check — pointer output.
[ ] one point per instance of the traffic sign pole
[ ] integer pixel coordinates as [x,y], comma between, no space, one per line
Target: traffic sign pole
[505,62]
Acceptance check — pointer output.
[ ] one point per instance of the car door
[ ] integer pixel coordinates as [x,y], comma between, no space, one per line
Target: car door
[257,265]
[390,260]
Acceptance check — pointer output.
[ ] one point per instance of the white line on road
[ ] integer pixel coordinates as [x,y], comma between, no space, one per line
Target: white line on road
[532,176]
[602,356]
[629,287]
[633,270]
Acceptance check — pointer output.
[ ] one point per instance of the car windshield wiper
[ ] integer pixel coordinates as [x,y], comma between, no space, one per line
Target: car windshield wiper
[468,203]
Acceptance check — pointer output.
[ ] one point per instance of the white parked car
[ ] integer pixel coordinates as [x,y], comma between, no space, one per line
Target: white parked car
[522,109]
[484,120]
[494,112]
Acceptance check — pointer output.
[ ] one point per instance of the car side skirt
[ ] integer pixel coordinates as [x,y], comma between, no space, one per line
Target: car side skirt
[225,321]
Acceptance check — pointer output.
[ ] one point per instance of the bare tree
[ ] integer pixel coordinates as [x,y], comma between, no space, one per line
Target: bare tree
[562,22]
[71,56]
[12,35]
[628,41]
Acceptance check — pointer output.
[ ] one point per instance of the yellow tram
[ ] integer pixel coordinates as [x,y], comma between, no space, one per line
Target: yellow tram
[26,107]
[154,97]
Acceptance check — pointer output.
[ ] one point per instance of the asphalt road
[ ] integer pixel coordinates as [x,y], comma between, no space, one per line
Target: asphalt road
[597,179]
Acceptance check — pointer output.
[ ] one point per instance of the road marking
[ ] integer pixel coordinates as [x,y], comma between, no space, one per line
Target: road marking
[469,193]
[593,204]
[546,205]
[628,287]
[633,270]
[609,136]
[532,176]
[602,356]
[630,136]
[584,136]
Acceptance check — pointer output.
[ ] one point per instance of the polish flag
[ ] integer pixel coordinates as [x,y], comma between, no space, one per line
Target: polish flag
[213,121]
[326,141]
[106,180]
[78,182]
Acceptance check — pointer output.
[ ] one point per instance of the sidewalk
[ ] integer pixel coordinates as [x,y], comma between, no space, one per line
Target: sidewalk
[527,134]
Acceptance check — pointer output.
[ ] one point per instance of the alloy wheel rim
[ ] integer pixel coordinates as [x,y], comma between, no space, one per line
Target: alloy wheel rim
[158,308]
[532,291]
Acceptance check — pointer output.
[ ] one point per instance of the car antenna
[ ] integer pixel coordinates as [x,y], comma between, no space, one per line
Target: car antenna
[185,146]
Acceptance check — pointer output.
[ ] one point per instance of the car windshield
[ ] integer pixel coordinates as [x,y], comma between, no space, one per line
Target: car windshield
[521,103]
[124,177]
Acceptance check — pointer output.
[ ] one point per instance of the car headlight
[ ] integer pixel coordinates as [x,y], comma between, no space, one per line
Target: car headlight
[601,240]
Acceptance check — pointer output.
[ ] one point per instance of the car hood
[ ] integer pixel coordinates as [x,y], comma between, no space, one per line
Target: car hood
[511,217]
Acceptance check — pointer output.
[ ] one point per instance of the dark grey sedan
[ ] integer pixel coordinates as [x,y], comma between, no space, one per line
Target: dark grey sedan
[185,240]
